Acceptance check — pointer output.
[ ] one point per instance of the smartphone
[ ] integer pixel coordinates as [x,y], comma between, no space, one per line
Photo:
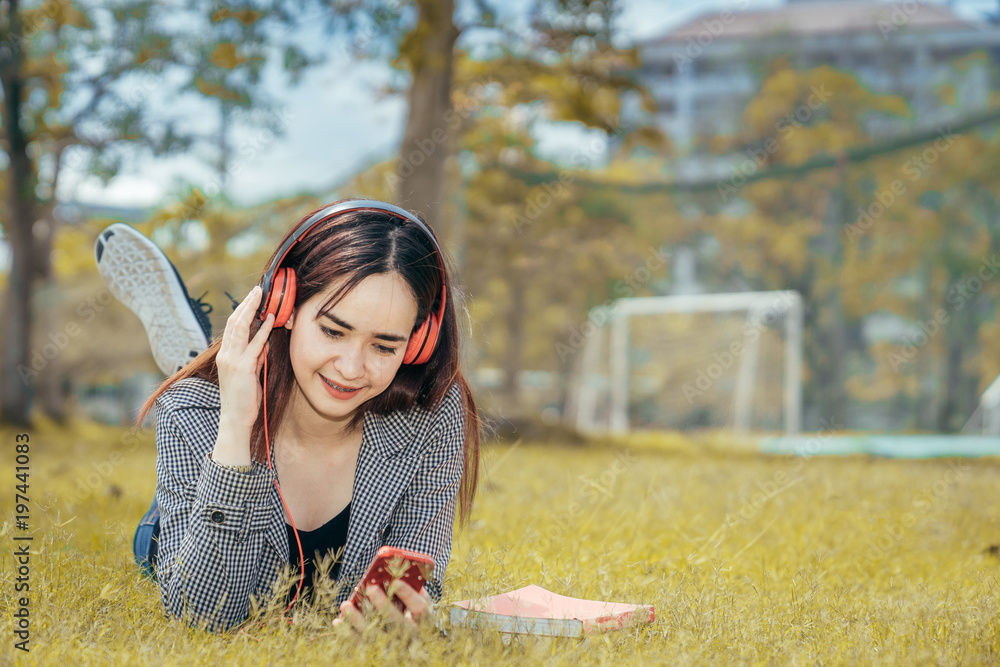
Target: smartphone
[390,564]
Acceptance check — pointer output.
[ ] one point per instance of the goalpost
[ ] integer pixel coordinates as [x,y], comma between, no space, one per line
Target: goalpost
[989,408]
[700,360]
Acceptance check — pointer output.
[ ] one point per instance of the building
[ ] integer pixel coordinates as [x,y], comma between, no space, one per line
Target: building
[704,72]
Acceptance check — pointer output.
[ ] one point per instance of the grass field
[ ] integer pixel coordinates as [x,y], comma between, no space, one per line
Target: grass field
[748,559]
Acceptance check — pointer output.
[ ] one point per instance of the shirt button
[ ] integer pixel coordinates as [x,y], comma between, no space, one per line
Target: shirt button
[218,517]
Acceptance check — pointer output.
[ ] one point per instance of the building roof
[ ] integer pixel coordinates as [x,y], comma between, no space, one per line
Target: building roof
[816,18]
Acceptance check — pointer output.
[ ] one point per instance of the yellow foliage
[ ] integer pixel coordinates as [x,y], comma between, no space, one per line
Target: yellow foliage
[889,379]
[946,93]
[59,12]
[73,252]
[245,16]
[225,56]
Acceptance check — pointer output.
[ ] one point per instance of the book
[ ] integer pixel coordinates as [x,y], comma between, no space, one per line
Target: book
[532,610]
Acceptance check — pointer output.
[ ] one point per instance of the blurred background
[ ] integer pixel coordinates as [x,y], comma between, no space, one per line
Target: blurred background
[750,215]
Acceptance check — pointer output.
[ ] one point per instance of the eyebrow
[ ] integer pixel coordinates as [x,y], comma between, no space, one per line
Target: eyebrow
[392,338]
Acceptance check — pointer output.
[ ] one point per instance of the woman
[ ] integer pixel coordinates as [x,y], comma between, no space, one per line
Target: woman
[367,425]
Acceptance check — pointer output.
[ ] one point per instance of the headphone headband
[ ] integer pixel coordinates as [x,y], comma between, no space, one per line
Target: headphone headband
[336,209]
[278,286]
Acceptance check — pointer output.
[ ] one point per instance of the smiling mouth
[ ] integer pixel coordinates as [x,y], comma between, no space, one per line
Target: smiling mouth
[340,388]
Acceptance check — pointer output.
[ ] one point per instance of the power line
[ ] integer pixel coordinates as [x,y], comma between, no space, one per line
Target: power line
[823,161]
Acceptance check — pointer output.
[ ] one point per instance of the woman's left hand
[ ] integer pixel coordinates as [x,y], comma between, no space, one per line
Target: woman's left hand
[418,606]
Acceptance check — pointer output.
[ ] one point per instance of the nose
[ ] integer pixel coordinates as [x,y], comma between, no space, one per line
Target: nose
[350,363]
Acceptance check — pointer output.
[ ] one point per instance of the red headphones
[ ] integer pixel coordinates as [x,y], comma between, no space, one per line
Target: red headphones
[278,283]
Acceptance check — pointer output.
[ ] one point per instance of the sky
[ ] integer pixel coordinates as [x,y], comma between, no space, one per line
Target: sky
[336,124]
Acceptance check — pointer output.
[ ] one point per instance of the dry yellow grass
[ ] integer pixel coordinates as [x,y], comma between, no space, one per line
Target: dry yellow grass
[748,559]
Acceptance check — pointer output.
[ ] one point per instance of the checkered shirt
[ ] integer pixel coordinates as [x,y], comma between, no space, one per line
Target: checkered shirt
[222,532]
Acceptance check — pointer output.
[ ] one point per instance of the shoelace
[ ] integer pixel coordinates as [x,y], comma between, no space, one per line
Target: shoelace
[201,309]
[205,307]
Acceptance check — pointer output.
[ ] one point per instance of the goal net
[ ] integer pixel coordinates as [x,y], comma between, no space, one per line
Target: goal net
[692,361]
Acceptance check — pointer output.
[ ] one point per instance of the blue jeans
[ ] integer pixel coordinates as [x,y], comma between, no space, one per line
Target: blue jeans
[146,541]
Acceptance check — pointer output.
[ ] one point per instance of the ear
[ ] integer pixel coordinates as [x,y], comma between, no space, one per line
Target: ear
[291,318]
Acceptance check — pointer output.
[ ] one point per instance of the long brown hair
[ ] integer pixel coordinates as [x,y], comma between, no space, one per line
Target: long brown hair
[358,244]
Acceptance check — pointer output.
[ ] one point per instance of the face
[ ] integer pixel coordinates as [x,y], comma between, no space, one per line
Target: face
[351,353]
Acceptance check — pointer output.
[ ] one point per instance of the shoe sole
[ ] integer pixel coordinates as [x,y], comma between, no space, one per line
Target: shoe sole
[141,277]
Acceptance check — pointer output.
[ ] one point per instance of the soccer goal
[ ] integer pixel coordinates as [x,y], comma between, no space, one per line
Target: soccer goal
[986,418]
[692,361]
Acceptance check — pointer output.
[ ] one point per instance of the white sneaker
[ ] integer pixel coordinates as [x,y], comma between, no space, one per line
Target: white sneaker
[140,276]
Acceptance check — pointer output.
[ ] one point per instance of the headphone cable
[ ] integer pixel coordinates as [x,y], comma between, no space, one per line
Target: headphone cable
[288,512]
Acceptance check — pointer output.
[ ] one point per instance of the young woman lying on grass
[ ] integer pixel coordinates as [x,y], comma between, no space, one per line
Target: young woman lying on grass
[367,424]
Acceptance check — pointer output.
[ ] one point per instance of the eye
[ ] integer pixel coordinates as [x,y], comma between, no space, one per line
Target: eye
[332,333]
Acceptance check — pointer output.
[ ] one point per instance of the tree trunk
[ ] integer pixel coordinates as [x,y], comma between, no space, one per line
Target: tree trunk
[17,376]
[51,381]
[420,182]
[836,333]
[837,338]
[515,344]
[952,380]
[956,402]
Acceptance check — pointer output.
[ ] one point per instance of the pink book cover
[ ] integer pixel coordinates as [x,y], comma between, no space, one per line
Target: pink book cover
[534,610]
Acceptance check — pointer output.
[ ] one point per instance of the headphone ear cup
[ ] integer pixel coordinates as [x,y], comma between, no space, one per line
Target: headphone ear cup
[432,339]
[281,300]
[423,341]
[416,343]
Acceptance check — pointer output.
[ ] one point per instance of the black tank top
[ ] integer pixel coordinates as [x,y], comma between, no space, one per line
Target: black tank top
[328,538]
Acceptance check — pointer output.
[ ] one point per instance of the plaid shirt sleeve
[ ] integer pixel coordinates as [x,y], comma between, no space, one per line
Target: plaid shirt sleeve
[424,518]
[212,521]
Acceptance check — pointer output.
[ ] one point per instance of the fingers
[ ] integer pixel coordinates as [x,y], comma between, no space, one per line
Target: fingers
[239,321]
[256,345]
[418,605]
[353,616]
[381,602]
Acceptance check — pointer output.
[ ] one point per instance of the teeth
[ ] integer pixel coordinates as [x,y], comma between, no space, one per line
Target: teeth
[338,387]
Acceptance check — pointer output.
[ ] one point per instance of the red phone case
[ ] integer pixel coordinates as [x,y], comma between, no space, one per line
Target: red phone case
[394,563]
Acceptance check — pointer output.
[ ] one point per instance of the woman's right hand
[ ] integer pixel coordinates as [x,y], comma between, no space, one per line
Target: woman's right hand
[239,361]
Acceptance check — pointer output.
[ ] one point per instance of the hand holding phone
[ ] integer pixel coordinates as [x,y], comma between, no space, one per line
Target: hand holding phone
[392,564]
